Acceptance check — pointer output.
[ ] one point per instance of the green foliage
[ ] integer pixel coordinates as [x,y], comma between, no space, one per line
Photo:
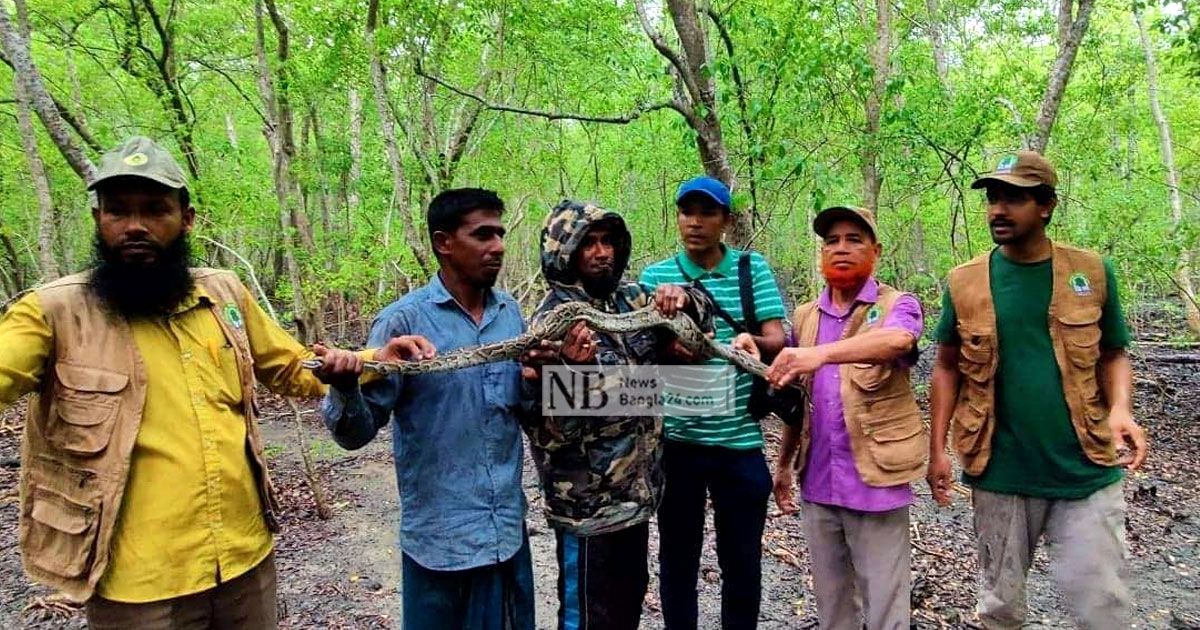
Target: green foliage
[806,73]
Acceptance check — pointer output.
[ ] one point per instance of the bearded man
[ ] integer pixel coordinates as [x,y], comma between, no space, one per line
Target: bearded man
[144,489]
[861,441]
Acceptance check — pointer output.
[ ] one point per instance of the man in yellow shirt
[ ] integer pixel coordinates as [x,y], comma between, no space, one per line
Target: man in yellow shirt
[144,489]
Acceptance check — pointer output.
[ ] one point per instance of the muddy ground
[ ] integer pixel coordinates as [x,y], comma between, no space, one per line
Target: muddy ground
[344,572]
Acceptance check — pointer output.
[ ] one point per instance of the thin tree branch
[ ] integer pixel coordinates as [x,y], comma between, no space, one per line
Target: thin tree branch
[66,114]
[237,88]
[499,107]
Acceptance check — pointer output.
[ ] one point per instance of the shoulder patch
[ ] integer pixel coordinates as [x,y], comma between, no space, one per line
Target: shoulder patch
[233,315]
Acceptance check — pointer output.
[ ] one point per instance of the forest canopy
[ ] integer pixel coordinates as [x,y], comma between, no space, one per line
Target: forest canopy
[314,133]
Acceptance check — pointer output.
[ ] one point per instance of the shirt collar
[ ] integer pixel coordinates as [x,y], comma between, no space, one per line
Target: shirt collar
[439,294]
[868,294]
[727,267]
[197,296]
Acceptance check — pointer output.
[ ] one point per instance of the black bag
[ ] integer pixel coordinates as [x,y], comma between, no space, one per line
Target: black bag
[786,403]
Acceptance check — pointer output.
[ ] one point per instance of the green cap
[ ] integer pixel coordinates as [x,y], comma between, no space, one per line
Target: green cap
[140,156]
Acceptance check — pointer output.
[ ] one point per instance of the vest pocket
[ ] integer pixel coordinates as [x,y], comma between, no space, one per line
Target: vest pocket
[86,403]
[975,356]
[61,533]
[869,377]
[969,417]
[1097,424]
[897,444]
[1081,333]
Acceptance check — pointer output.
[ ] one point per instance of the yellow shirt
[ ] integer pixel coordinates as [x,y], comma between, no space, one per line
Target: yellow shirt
[191,514]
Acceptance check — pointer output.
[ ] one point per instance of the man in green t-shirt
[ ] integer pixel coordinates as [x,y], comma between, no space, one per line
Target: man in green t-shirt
[717,456]
[1033,379]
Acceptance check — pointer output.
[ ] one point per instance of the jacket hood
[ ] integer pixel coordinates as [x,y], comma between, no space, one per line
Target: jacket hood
[564,230]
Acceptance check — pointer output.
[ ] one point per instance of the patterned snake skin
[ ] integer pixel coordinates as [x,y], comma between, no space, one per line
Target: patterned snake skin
[554,327]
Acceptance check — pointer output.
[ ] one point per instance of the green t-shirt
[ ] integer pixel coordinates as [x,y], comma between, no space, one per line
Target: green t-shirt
[1035,451]
[739,430]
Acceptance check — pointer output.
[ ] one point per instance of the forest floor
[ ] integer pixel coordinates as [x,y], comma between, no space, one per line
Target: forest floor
[345,572]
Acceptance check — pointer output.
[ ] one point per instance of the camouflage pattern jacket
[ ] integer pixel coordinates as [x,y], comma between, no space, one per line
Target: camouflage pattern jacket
[600,474]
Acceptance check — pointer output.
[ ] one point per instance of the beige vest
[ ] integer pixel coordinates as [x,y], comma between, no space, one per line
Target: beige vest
[82,426]
[1074,321]
[888,438]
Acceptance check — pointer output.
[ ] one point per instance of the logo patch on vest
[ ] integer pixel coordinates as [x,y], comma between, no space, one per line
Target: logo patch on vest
[1080,284]
[873,314]
[234,316]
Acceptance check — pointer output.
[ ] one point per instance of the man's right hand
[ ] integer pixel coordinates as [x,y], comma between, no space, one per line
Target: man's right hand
[406,348]
[577,347]
[785,497]
[939,477]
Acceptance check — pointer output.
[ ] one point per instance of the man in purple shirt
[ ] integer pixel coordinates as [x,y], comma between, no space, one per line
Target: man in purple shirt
[863,440]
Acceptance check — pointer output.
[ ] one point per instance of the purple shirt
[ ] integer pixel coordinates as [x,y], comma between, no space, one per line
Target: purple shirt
[830,476]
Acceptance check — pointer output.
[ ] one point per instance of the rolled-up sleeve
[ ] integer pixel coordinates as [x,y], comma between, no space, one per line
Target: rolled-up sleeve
[906,315]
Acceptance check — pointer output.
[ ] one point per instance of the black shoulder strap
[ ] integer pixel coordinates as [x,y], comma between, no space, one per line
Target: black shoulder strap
[746,294]
[737,326]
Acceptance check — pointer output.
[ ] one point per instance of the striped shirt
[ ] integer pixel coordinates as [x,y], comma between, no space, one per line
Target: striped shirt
[739,430]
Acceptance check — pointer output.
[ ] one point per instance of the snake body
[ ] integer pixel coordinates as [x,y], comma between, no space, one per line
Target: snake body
[554,327]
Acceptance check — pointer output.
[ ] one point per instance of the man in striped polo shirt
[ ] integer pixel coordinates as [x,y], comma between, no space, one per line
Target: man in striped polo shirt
[717,456]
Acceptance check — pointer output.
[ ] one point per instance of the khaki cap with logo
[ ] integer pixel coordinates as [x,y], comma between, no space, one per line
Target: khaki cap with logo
[827,217]
[1025,169]
[140,156]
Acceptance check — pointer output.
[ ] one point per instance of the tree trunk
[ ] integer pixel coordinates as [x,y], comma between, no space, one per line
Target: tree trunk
[1183,265]
[695,97]
[356,121]
[388,125]
[938,42]
[872,179]
[33,160]
[231,130]
[307,319]
[17,51]
[1071,32]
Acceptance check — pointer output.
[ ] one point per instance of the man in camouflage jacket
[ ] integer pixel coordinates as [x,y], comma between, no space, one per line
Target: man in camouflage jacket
[601,476]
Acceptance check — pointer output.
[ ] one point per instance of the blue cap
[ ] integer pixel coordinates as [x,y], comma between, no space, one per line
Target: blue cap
[709,187]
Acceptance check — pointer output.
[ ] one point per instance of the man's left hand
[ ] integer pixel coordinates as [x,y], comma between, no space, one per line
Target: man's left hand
[339,368]
[745,343]
[670,299]
[1129,436]
[791,363]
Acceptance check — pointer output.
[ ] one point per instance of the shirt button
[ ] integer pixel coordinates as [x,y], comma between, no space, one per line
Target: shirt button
[187,356]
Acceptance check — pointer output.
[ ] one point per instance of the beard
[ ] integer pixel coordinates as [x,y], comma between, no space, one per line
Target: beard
[141,290]
[848,277]
[600,285]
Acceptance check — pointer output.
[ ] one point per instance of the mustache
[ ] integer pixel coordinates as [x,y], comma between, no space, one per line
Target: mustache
[141,245]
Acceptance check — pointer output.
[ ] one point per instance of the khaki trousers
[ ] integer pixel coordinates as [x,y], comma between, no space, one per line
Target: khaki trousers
[1086,539]
[860,567]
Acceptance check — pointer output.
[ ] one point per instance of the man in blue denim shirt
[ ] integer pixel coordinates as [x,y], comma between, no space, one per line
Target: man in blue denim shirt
[456,435]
